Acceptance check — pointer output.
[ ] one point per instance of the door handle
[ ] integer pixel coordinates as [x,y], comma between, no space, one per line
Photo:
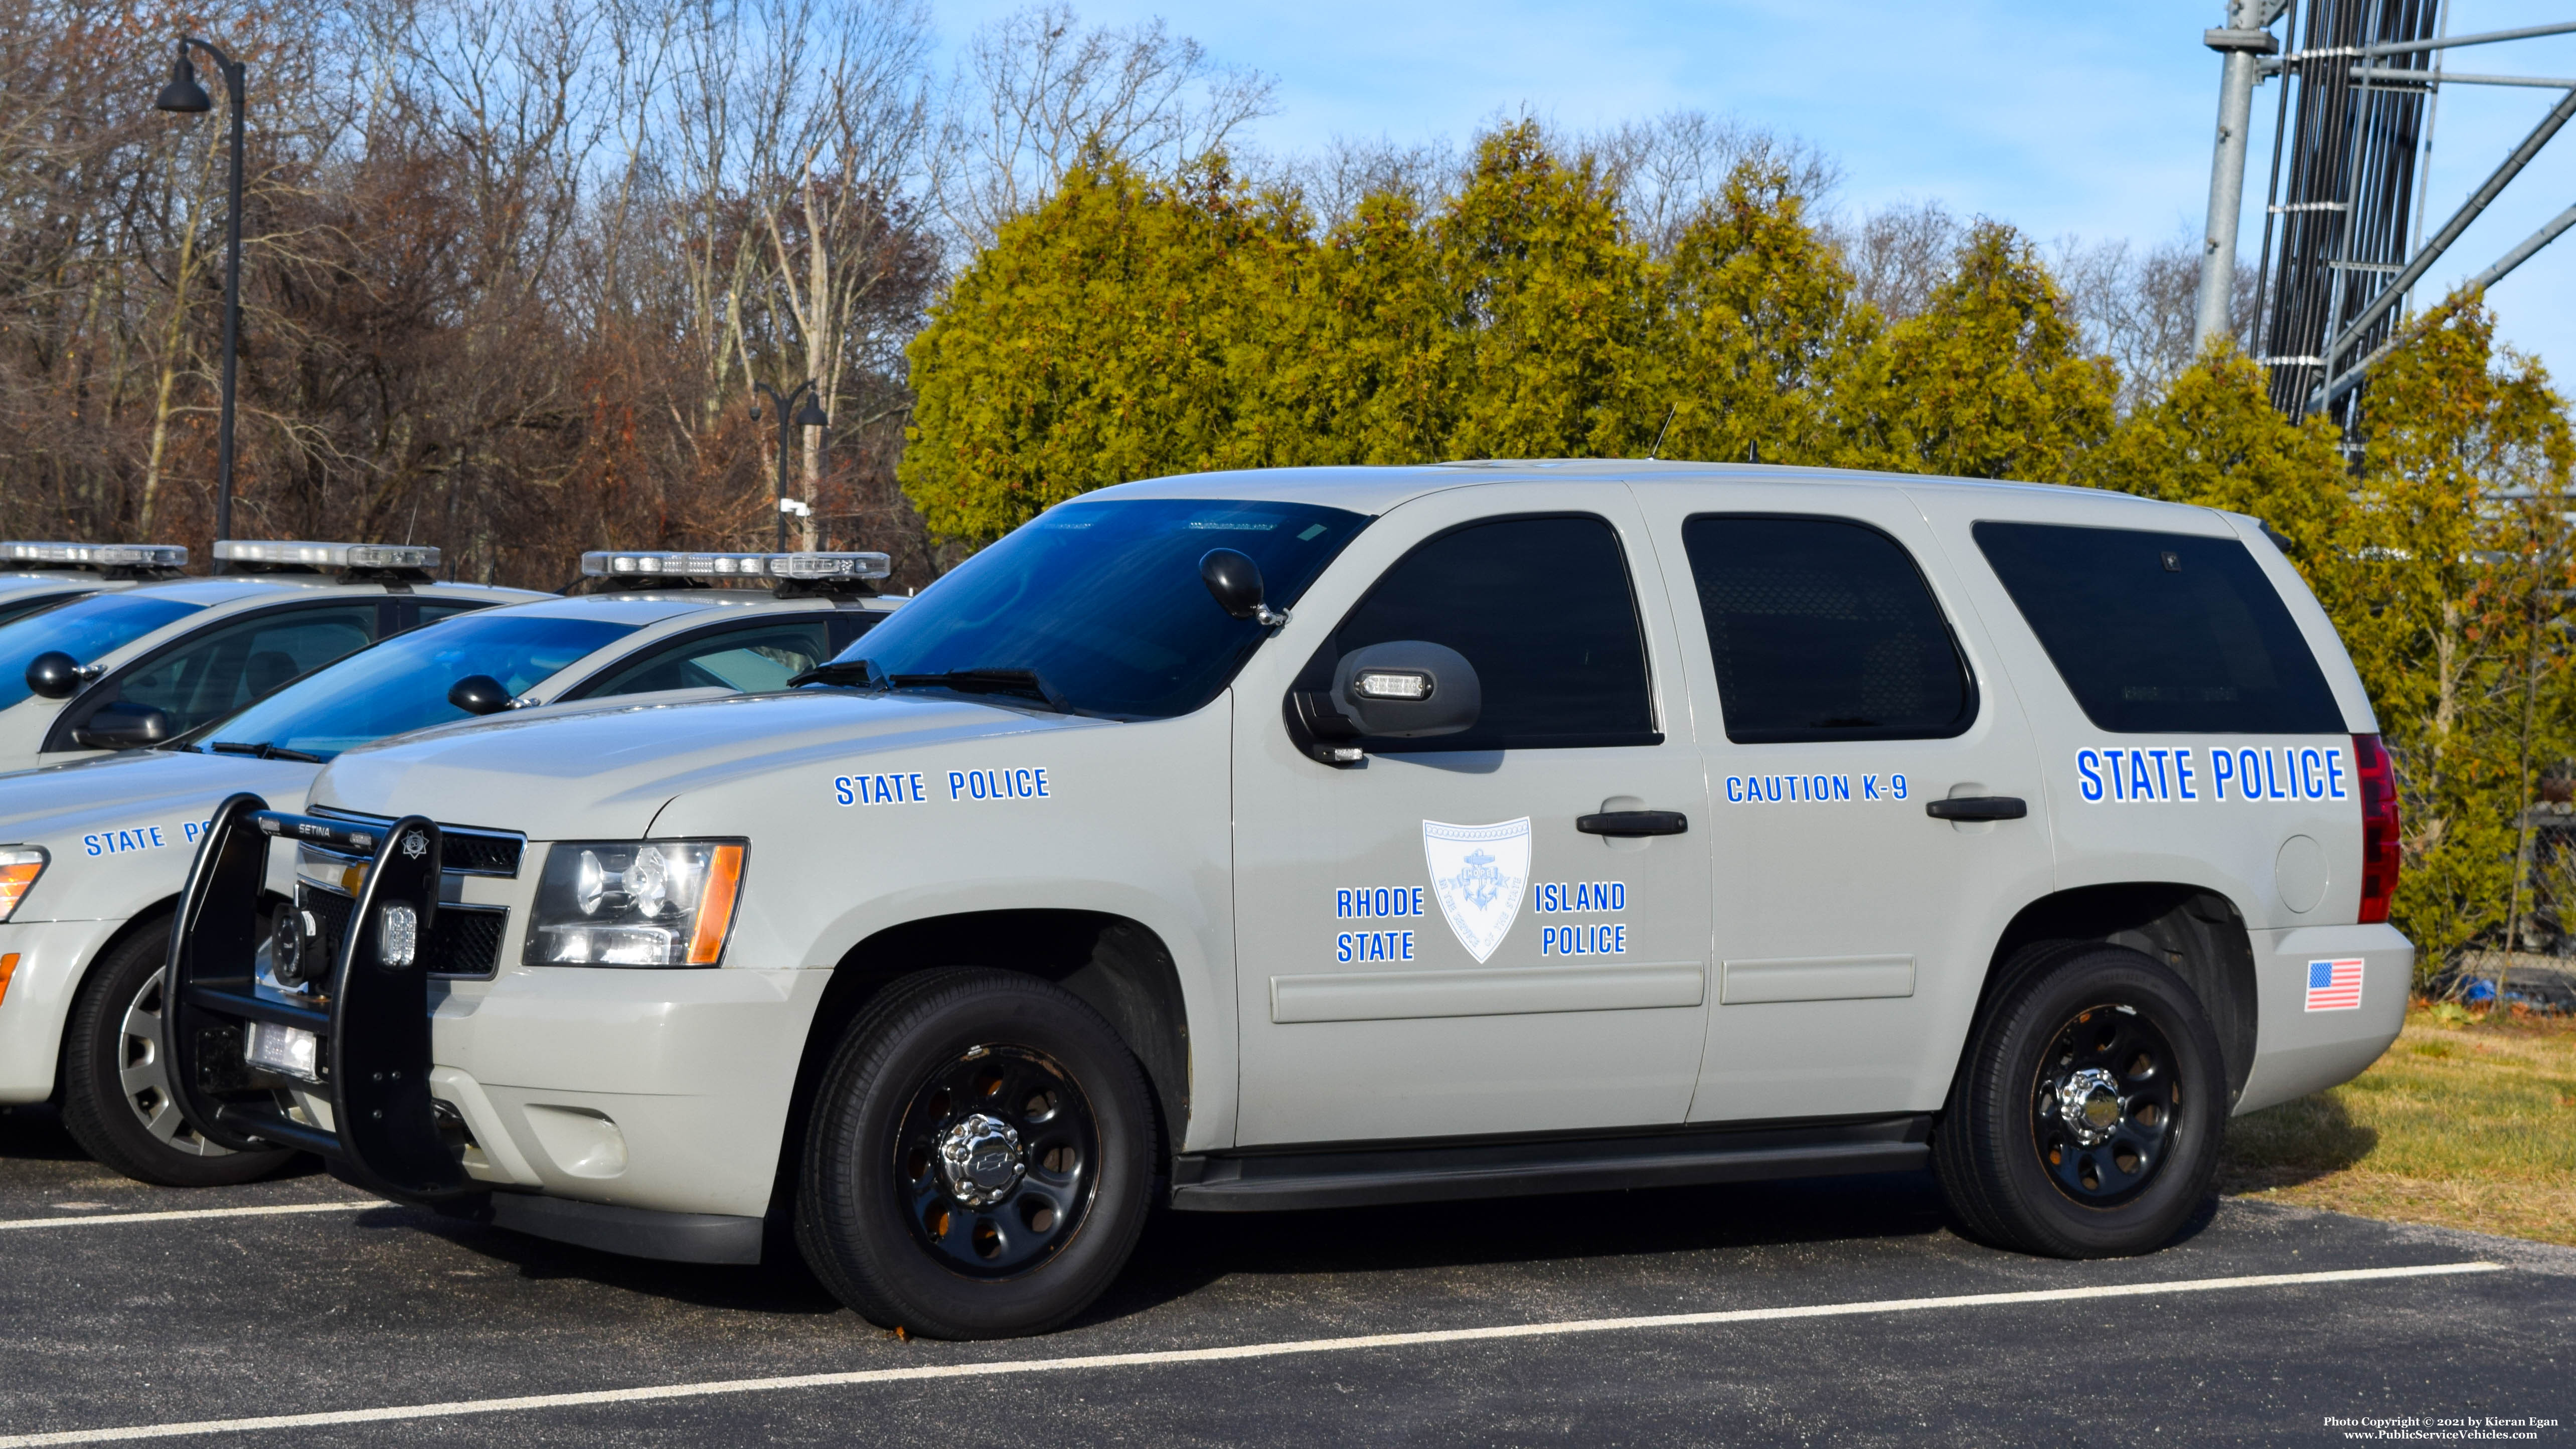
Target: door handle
[1977,807]
[1624,823]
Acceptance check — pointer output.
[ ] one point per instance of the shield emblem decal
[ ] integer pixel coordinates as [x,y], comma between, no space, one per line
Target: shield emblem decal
[1478,872]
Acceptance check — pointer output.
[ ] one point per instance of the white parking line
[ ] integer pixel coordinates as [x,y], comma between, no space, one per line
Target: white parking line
[87,1220]
[1158,1358]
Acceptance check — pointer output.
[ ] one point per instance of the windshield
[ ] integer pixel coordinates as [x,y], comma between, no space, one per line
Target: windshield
[84,629]
[402,683]
[1102,603]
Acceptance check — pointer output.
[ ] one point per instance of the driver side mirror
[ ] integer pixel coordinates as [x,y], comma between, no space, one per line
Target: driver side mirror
[479,694]
[123,725]
[55,675]
[1408,689]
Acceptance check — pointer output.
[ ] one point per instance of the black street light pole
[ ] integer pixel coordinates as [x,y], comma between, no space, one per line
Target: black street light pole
[186,97]
[810,417]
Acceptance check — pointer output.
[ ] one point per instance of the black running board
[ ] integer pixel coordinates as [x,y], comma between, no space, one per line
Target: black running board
[1436,1171]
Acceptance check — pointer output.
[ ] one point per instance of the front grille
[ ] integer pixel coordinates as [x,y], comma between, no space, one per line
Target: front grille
[463,940]
[462,848]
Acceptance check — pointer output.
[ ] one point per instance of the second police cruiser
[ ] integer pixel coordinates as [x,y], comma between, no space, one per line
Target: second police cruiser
[1313,837]
[37,576]
[93,854]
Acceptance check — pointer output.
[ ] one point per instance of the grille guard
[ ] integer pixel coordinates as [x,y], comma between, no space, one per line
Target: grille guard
[374,1030]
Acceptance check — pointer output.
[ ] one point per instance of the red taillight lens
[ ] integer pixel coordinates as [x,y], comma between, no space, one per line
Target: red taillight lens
[2378,827]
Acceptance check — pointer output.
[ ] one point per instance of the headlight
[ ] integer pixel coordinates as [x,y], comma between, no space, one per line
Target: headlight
[19,867]
[634,903]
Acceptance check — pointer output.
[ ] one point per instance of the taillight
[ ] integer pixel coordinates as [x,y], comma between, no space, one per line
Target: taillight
[2378,827]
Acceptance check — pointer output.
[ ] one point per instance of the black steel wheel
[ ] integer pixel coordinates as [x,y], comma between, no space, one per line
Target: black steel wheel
[978,1157]
[2102,1109]
[116,1087]
[997,1160]
[2085,1119]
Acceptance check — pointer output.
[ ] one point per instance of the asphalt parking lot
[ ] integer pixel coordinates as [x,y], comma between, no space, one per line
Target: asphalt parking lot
[1793,1313]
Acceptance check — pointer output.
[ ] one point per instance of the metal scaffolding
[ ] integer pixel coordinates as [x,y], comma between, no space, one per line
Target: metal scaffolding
[2343,222]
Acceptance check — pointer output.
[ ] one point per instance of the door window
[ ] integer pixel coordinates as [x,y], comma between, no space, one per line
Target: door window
[1542,607]
[223,669]
[1823,629]
[750,659]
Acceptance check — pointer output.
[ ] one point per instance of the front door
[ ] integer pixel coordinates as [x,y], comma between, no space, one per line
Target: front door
[1428,945]
[1846,689]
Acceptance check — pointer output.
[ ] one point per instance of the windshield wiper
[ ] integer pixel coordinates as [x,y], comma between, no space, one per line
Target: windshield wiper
[849,671]
[267,750]
[1022,682]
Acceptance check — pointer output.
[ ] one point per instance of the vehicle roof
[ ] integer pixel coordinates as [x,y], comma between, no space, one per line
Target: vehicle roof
[641,608]
[1374,490]
[61,582]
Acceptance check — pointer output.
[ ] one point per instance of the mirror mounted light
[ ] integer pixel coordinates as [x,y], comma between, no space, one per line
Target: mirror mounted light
[123,725]
[1408,689]
[479,694]
[1234,581]
[56,675]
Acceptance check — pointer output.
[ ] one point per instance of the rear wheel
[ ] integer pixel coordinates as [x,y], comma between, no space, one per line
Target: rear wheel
[116,1079]
[2086,1115]
[979,1158]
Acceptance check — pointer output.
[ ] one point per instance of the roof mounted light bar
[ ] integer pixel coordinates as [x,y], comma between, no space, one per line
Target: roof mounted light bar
[136,557]
[852,572]
[297,553]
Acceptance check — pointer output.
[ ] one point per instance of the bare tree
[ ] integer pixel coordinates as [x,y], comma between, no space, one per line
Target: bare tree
[1036,91]
[1664,169]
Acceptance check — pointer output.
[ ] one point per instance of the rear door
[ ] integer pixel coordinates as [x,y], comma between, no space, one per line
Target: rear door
[1848,688]
[1427,945]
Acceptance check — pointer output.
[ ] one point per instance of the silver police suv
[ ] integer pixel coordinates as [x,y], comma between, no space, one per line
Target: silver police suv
[1288,839]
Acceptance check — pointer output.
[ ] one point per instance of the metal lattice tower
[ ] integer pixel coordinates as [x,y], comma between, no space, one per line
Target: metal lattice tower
[2343,243]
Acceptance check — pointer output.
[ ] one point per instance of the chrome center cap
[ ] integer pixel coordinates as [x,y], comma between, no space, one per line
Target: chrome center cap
[2088,1102]
[980,1160]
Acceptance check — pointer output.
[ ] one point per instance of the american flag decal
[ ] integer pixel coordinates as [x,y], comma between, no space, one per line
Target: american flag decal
[2334,985]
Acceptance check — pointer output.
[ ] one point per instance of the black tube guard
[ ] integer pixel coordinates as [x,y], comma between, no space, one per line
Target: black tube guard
[373,1020]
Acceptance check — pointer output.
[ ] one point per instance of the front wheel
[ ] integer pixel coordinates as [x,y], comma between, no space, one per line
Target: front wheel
[2086,1115]
[979,1158]
[116,1079]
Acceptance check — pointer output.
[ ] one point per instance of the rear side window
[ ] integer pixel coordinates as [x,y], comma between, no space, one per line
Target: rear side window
[1823,629]
[1543,609]
[2162,633]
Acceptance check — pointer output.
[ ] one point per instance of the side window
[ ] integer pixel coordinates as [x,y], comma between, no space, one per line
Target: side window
[765,657]
[225,668]
[2163,632]
[1543,609]
[1823,629]
[433,610]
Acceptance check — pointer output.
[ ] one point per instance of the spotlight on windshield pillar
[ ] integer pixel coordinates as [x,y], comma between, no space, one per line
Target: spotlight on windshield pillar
[183,94]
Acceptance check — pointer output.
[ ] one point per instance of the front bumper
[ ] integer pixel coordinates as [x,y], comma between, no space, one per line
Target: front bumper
[2298,1051]
[52,958]
[634,1091]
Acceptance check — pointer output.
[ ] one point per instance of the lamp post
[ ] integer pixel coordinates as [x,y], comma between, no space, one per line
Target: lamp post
[184,96]
[810,416]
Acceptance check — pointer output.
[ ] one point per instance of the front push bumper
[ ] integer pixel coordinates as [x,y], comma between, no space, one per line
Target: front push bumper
[375,1123]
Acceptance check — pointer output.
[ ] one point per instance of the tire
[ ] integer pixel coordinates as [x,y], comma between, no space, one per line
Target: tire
[979,1158]
[116,1098]
[2086,1116]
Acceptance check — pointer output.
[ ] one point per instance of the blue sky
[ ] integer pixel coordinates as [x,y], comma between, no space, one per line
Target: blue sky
[2090,119]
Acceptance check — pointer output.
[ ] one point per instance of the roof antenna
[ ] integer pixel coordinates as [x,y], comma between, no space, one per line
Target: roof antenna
[1753,451]
[1659,432]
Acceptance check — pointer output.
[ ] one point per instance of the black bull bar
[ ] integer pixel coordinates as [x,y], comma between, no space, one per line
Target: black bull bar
[372,1059]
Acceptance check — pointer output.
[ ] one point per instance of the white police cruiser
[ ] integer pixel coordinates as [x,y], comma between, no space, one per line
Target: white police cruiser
[93,854]
[37,576]
[1287,839]
[119,670]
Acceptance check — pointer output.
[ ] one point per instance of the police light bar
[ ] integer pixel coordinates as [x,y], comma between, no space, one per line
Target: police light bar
[94,555]
[764,567]
[302,553]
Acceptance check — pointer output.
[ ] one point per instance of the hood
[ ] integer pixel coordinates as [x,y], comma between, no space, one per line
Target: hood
[606,772]
[97,806]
